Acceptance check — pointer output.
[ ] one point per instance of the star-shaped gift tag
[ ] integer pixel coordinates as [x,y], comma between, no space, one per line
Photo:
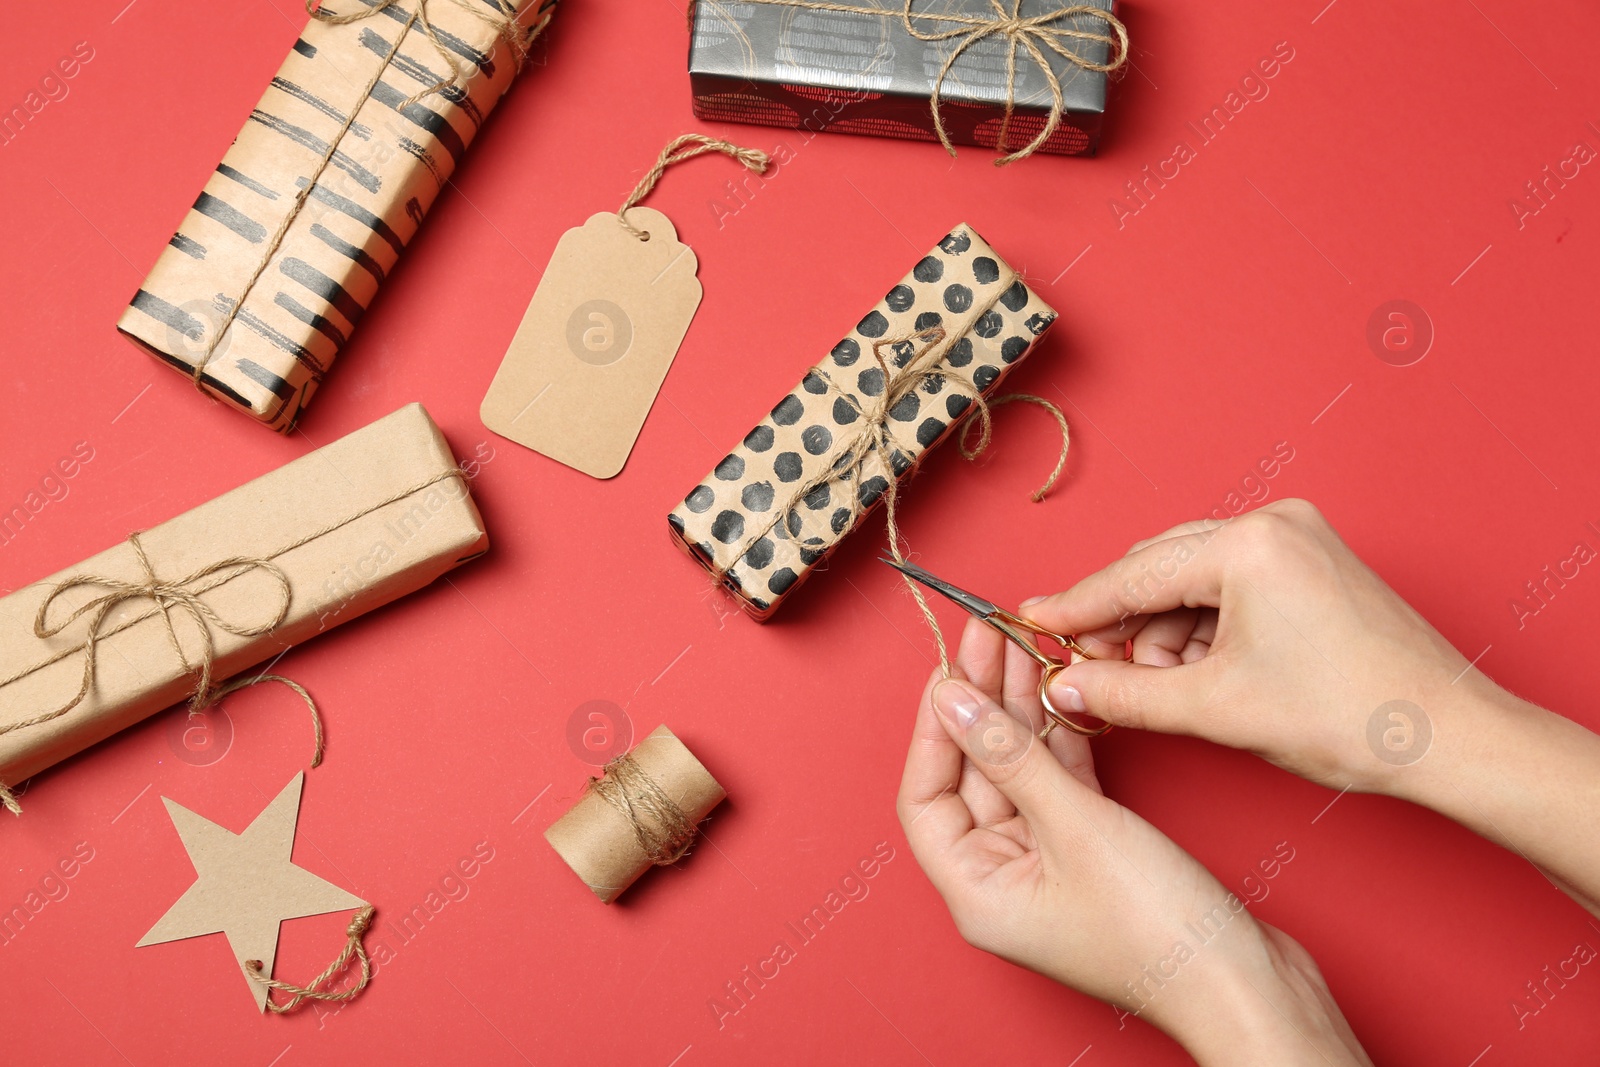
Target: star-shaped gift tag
[247,884]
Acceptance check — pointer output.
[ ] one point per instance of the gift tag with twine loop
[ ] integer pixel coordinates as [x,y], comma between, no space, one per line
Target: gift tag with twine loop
[603,327]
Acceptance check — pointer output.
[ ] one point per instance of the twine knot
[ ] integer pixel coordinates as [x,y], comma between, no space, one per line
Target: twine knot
[313,990]
[1036,34]
[169,595]
[913,359]
[503,19]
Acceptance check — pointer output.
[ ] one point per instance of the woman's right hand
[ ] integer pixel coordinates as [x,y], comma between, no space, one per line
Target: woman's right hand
[1265,632]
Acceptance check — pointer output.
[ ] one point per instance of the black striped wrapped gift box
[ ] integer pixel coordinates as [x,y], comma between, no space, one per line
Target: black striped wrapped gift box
[325,185]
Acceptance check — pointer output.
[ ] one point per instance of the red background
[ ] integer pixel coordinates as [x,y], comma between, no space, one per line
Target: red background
[1222,318]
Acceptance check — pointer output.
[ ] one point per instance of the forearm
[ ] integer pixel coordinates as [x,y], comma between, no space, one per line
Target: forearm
[1522,777]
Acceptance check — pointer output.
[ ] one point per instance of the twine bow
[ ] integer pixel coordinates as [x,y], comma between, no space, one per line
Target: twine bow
[168,595]
[917,357]
[1035,33]
[181,594]
[503,20]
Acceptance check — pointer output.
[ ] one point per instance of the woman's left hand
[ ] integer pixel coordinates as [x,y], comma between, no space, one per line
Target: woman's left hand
[1037,866]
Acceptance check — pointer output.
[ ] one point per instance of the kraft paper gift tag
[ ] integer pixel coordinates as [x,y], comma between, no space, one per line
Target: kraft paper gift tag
[604,325]
[596,342]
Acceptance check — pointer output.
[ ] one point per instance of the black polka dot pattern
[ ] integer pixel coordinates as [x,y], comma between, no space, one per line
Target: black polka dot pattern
[757,496]
[762,515]
[817,439]
[727,527]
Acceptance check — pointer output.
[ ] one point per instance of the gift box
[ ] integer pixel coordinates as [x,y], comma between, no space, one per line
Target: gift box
[324,187]
[892,389]
[875,66]
[233,582]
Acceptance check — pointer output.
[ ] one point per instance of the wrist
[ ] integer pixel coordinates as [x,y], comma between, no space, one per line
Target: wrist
[1270,1007]
[1523,777]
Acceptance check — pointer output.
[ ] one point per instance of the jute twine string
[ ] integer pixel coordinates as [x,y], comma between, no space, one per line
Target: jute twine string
[506,27]
[182,594]
[676,151]
[1035,33]
[875,439]
[663,831]
[312,990]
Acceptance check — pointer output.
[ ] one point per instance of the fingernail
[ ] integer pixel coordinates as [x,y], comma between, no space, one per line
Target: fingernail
[1067,697]
[956,703]
[1031,601]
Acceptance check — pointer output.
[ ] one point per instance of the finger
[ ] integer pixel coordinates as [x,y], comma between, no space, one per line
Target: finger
[1182,571]
[981,659]
[931,810]
[1199,644]
[1019,692]
[1192,526]
[1021,698]
[1009,754]
[1169,699]
[1160,643]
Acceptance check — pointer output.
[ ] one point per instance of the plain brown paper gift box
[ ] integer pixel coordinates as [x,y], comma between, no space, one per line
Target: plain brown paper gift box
[595,839]
[395,549]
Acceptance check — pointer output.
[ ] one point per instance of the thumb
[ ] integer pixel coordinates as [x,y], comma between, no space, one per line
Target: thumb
[1006,751]
[1167,699]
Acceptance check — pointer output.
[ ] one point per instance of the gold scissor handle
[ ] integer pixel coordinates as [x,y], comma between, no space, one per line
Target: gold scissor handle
[1012,626]
[1057,717]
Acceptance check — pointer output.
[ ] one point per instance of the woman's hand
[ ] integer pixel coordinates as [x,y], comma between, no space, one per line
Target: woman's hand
[1037,866]
[1279,639]
[1267,633]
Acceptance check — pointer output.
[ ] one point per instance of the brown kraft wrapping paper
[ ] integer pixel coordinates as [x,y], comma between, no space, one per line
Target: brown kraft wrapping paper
[382,512]
[745,523]
[595,838]
[261,322]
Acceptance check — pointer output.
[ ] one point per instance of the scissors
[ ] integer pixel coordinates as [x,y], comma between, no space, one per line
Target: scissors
[1012,627]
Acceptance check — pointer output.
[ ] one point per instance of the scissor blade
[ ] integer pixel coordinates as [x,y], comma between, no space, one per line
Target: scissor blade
[974,604]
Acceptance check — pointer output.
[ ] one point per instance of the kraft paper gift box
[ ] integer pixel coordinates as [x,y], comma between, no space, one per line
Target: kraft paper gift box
[324,187]
[804,477]
[354,525]
[779,63]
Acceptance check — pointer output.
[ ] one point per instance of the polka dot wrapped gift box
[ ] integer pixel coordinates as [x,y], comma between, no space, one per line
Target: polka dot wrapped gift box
[895,387]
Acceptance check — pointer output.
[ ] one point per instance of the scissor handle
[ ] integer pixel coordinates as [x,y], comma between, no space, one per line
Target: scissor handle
[1058,717]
